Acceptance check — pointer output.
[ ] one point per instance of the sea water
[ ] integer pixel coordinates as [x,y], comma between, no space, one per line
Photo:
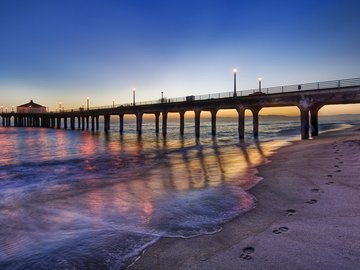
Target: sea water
[95,200]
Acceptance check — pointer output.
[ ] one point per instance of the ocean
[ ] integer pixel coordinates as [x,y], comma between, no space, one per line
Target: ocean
[95,200]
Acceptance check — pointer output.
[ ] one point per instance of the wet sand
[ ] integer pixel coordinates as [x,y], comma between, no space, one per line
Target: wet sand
[307,215]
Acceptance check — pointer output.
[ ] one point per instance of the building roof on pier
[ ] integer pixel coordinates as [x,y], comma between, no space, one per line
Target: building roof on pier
[32,104]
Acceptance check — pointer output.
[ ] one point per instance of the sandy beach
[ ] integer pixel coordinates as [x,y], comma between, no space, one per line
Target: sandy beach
[307,215]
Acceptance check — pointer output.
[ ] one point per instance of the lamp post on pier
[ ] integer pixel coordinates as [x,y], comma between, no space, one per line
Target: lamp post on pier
[113,103]
[12,108]
[162,97]
[2,109]
[259,79]
[133,96]
[235,71]
[59,106]
[87,103]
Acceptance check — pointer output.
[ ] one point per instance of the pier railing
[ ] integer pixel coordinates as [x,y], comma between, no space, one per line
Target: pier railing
[242,93]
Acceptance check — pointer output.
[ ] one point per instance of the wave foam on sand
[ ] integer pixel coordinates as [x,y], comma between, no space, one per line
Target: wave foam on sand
[307,215]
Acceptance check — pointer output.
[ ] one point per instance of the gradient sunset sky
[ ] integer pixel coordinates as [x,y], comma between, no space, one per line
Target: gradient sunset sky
[64,51]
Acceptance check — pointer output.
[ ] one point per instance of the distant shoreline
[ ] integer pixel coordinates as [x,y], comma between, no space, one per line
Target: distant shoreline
[307,215]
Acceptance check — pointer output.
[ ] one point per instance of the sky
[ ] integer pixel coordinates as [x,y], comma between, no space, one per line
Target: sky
[64,51]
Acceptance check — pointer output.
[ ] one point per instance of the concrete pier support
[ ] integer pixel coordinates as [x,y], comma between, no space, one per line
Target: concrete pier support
[58,122]
[65,123]
[87,122]
[305,104]
[213,122]
[97,122]
[93,123]
[197,123]
[83,123]
[139,117]
[157,120]
[106,123]
[182,122]
[164,115]
[72,123]
[314,120]
[255,112]
[241,122]
[42,121]
[121,116]
[304,118]
[79,122]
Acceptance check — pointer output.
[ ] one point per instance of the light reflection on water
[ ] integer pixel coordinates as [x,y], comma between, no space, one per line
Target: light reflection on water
[82,200]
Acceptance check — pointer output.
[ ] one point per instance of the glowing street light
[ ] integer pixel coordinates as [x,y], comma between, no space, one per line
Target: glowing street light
[235,71]
[87,103]
[259,79]
[134,96]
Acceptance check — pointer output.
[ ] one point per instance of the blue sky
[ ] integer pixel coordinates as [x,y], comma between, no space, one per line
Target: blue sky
[63,51]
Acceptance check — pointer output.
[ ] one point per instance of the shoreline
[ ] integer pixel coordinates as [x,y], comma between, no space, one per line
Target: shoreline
[296,223]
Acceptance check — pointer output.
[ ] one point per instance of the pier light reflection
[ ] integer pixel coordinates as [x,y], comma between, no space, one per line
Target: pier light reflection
[122,200]
[96,202]
[88,145]
[109,184]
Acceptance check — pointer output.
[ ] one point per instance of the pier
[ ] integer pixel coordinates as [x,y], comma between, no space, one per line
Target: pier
[308,97]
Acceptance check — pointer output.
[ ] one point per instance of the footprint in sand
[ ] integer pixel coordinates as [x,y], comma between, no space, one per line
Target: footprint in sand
[246,253]
[338,171]
[280,230]
[341,155]
[290,212]
[329,175]
[336,166]
[311,201]
[341,162]
[329,183]
[315,190]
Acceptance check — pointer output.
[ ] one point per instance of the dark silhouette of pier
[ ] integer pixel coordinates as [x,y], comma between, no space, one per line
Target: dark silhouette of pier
[309,98]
